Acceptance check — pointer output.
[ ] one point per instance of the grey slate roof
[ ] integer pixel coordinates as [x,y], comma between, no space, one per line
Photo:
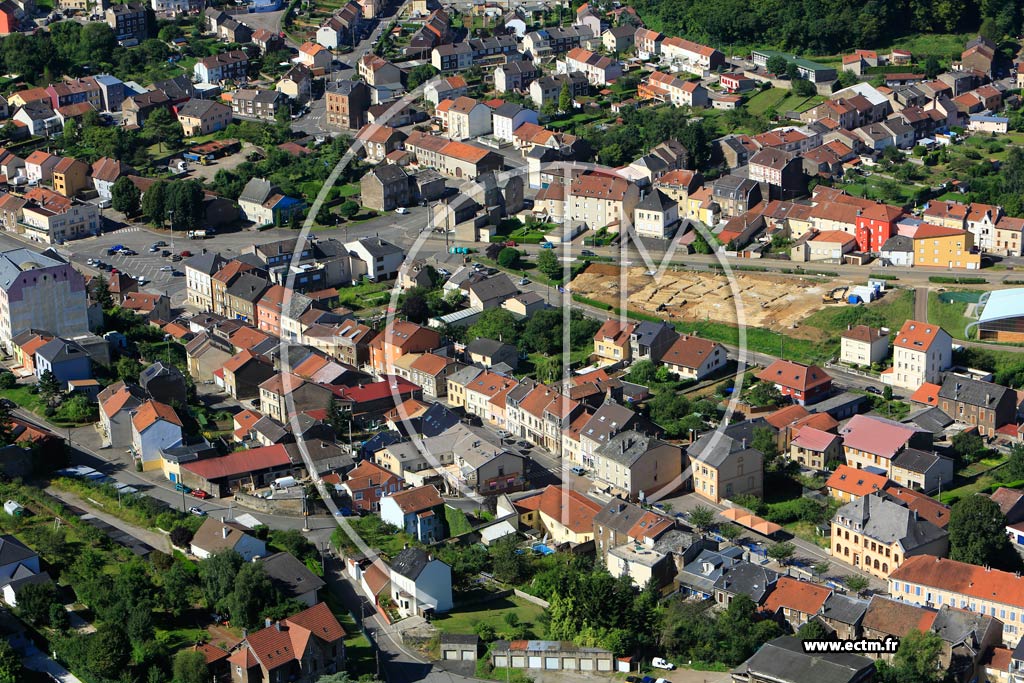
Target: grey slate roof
[493,287]
[957,626]
[844,608]
[485,346]
[508,110]
[627,447]
[257,190]
[749,579]
[931,420]
[898,243]
[379,247]
[200,108]
[607,421]
[12,550]
[248,287]
[60,350]
[465,375]
[972,392]
[783,660]
[208,263]
[884,518]
[619,515]
[656,200]
[389,173]
[156,370]
[410,562]
[916,460]
[290,576]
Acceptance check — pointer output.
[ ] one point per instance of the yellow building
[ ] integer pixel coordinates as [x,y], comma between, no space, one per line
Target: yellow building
[942,247]
[611,343]
[562,515]
[70,176]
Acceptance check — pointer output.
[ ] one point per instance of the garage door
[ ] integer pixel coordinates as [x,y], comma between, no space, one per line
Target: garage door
[468,655]
[535,663]
[604,665]
[518,662]
[450,654]
[586,664]
[551,663]
[500,661]
[568,664]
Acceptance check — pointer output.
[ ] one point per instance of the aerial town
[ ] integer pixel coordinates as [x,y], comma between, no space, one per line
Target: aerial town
[353,341]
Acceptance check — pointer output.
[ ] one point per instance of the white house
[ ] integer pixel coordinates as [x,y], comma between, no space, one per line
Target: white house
[420,583]
[920,353]
[508,117]
[155,426]
[464,117]
[374,258]
[656,215]
[215,536]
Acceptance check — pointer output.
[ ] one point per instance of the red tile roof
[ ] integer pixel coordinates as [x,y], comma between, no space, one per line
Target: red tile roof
[960,577]
[855,482]
[916,336]
[786,416]
[925,506]
[240,462]
[796,595]
[794,375]
[151,411]
[876,435]
[568,507]
[926,394]
[417,499]
[897,618]
[813,439]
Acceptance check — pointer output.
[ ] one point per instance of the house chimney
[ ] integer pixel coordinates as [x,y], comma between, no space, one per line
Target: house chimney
[267,622]
[277,625]
[224,532]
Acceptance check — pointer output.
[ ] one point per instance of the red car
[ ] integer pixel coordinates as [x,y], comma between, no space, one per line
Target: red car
[200,494]
[186,254]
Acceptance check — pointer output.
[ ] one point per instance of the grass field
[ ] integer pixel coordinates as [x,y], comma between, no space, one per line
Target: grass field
[24,398]
[891,311]
[949,316]
[765,100]
[464,620]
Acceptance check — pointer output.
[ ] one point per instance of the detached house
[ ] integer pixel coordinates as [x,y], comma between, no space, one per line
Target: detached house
[870,441]
[805,384]
[725,466]
[612,342]
[691,357]
[302,648]
[418,511]
[367,484]
[420,583]
[921,352]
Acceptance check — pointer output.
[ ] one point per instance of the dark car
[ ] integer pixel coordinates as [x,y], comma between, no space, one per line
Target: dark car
[524,444]
[165,253]
[874,390]
[176,258]
[587,252]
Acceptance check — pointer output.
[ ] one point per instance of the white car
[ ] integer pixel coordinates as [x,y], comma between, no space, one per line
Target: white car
[167,269]
[141,280]
[659,663]
[402,210]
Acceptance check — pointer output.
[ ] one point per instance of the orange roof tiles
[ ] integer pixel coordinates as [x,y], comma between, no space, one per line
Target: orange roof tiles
[927,394]
[568,507]
[794,375]
[855,482]
[916,336]
[801,596]
[151,411]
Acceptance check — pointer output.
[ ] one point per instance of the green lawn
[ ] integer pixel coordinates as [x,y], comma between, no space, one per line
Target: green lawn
[464,620]
[765,100]
[24,398]
[359,657]
[949,316]
[349,190]
[891,311]
[798,103]
[365,295]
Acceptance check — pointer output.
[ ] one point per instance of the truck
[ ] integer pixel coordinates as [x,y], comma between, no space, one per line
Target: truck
[195,158]
[197,234]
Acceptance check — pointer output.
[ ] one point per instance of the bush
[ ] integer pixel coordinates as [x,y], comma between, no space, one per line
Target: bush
[508,257]
[181,536]
[7,380]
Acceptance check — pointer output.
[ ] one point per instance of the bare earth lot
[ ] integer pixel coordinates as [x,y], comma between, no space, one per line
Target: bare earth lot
[776,302]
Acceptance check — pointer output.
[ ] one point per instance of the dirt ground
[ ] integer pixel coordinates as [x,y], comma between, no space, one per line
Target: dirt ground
[229,162]
[776,302]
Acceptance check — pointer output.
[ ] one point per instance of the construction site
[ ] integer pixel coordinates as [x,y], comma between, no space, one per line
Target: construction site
[771,301]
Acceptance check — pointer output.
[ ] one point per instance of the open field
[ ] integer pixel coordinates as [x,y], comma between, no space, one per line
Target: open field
[464,619]
[769,301]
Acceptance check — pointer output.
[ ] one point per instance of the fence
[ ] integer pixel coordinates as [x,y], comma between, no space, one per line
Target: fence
[531,598]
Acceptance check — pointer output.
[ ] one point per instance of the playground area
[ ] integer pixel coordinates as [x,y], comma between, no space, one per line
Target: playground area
[776,302]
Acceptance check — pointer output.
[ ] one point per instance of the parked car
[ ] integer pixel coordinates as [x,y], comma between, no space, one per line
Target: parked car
[185,254]
[159,243]
[547,245]
[200,494]
[166,269]
[402,210]
[504,434]
[587,252]
[165,253]
[154,249]
[197,511]
[176,258]
[660,663]
[577,470]
[524,444]
[524,281]
[874,390]
[182,488]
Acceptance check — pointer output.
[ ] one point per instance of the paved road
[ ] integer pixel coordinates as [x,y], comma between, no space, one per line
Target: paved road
[921,304]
